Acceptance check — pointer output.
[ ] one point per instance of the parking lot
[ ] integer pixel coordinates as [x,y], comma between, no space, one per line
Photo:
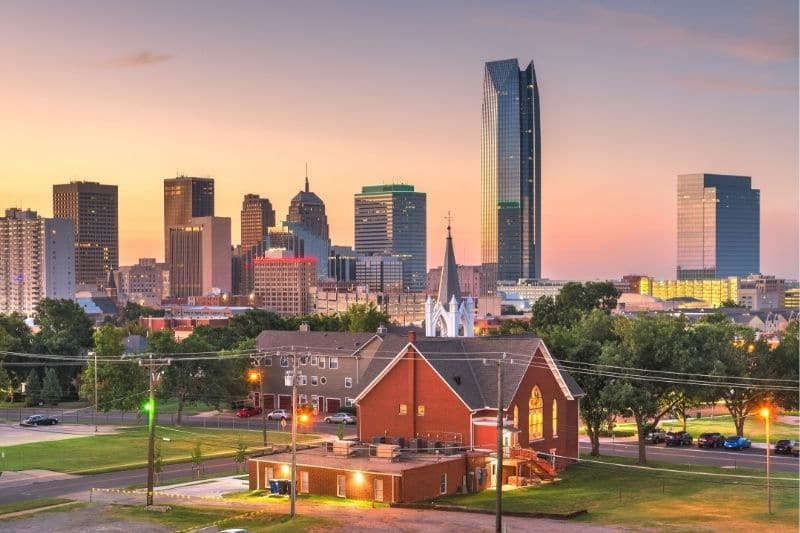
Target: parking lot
[12,434]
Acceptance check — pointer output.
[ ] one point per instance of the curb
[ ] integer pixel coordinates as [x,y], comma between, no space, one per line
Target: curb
[459,509]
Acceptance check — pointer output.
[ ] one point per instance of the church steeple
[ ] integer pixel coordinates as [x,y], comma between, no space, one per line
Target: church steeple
[448,285]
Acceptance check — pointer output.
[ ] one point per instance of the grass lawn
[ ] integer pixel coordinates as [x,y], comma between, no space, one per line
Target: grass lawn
[655,500]
[259,496]
[194,517]
[30,504]
[128,449]
[753,427]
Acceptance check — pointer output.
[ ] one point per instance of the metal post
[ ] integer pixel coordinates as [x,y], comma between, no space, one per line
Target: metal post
[499,481]
[261,399]
[151,436]
[294,433]
[95,392]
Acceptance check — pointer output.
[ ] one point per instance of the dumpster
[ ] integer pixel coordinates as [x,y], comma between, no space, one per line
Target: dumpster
[274,486]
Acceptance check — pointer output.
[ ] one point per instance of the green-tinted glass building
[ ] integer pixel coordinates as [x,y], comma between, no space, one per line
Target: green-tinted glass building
[511,234]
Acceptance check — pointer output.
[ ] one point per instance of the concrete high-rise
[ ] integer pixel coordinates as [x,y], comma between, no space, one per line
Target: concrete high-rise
[94,212]
[37,260]
[185,198]
[201,257]
[511,229]
[257,217]
[308,210]
[392,220]
[146,283]
[718,226]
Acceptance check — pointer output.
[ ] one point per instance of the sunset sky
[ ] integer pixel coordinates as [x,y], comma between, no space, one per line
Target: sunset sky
[632,94]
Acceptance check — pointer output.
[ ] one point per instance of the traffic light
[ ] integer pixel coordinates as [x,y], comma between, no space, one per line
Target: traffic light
[148,406]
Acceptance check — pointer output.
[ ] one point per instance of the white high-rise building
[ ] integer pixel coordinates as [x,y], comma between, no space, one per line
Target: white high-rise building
[37,260]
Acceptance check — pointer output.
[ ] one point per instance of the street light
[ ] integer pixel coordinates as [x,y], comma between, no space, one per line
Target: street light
[765,414]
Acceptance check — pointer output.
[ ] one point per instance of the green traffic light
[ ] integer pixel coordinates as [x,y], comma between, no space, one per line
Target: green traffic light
[148,406]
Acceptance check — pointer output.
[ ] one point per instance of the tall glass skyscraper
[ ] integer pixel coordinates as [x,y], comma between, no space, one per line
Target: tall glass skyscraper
[718,226]
[511,234]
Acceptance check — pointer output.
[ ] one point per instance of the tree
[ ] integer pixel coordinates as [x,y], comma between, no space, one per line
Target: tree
[573,301]
[363,318]
[120,384]
[782,364]
[33,388]
[221,338]
[15,336]
[654,345]
[51,390]
[254,321]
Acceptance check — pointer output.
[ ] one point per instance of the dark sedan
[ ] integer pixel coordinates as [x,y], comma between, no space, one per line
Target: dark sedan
[710,440]
[678,438]
[39,420]
[787,447]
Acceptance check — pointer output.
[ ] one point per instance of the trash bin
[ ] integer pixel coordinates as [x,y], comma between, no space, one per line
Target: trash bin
[282,489]
[274,486]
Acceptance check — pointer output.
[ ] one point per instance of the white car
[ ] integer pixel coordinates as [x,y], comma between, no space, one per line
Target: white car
[340,418]
[279,414]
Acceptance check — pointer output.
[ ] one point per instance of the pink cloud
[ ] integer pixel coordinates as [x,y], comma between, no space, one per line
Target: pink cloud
[133,60]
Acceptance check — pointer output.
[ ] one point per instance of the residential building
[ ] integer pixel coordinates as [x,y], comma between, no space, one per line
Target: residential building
[391,220]
[342,264]
[511,234]
[257,217]
[146,283]
[37,260]
[185,198]
[469,280]
[93,210]
[308,210]
[380,273]
[708,292]
[718,226]
[761,292]
[282,281]
[201,257]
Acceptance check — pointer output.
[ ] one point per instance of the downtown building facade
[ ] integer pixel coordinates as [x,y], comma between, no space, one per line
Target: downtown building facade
[200,255]
[37,260]
[282,282]
[392,220]
[145,283]
[185,198]
[718,227]
[93,209]
[510,173]
[257,217]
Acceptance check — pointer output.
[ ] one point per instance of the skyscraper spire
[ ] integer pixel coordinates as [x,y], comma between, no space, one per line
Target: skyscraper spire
[306,177]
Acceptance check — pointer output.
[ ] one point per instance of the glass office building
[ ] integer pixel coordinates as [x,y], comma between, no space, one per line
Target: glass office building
[511,233]
[718,226]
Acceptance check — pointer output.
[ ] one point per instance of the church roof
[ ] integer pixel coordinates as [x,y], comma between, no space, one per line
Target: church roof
[448,285]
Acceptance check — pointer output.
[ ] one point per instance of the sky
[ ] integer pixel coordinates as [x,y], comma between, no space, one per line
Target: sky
[632,94]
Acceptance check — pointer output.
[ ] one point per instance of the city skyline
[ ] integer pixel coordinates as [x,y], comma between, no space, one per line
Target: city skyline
[635,95]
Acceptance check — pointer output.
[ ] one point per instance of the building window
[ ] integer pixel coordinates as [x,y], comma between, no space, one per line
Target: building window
[284,361]
[348,383]
[303,359]
[334,363]
[303,399]
[313,361]
[555,418]
[403,409]
[322,362]
[516,417]
[302,379]
[323,380]
[348,402]
[268,361]
[420,410]
[314,380]
[341,484]
[535,412]
[443,484]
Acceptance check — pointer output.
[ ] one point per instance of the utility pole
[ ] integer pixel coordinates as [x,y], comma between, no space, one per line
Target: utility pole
[260,362]
[293,494]
[498,524]
[153,366]
[765,413]
[95,390]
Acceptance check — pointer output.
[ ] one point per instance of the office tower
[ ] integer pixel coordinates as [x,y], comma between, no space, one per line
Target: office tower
[469,280]
[511,234]
[282,282]
[342,264]
[243,257]
[93,210]
[391,220]
[380,273]
[201,257]
[257,217]
[146,283]
[313,246]
[718,226]
[185,198]
[37,260]
[308,210]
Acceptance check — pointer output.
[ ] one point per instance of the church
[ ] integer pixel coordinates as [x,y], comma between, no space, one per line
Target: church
[451,315]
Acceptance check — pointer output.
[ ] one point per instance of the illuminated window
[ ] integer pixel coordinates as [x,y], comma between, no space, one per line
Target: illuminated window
[403,409]
[516,417]
[535,411]
[555,418]
[420,410]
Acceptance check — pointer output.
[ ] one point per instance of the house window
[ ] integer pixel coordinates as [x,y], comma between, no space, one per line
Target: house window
[303,359]
[403,410]
[341,484]
[302,379]
[516,417]
[270,474]
[322,362]
[303,399]
[313,361]
[314,380]
[284,361]
[323,380]
[555,418]
[348,383]
[443,484]
[334,363]
[420,410]
[268,361]
[535,412]
[304,482]
[348,402]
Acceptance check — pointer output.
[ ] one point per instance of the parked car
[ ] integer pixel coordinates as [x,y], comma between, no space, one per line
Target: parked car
[787,447]
[710,440]
[248,410]
[678,438]
[655,435]
[39,420]
[279,414]
[340,418]
[736,442]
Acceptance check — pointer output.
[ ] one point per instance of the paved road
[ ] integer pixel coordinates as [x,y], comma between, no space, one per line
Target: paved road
[750,458]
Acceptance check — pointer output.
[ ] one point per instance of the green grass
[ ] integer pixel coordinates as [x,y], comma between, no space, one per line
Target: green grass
[261,496]
[128,449]
[30,504]
[179,517]
[655,500]
[753,427]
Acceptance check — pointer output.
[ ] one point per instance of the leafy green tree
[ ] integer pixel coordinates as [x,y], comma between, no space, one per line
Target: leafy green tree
[6,388]
[133,311]
[782,363]
[254,321]
[65,329]
[363,318]
[15,336]
[120,384]
[573,301]
[241,454]
[51,390]
[162,342]
[221,338]
[33,388]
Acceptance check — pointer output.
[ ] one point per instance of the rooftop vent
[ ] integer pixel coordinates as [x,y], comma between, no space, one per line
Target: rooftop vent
[382,330]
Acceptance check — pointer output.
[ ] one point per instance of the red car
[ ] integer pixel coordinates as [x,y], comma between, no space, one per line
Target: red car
[249,410]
